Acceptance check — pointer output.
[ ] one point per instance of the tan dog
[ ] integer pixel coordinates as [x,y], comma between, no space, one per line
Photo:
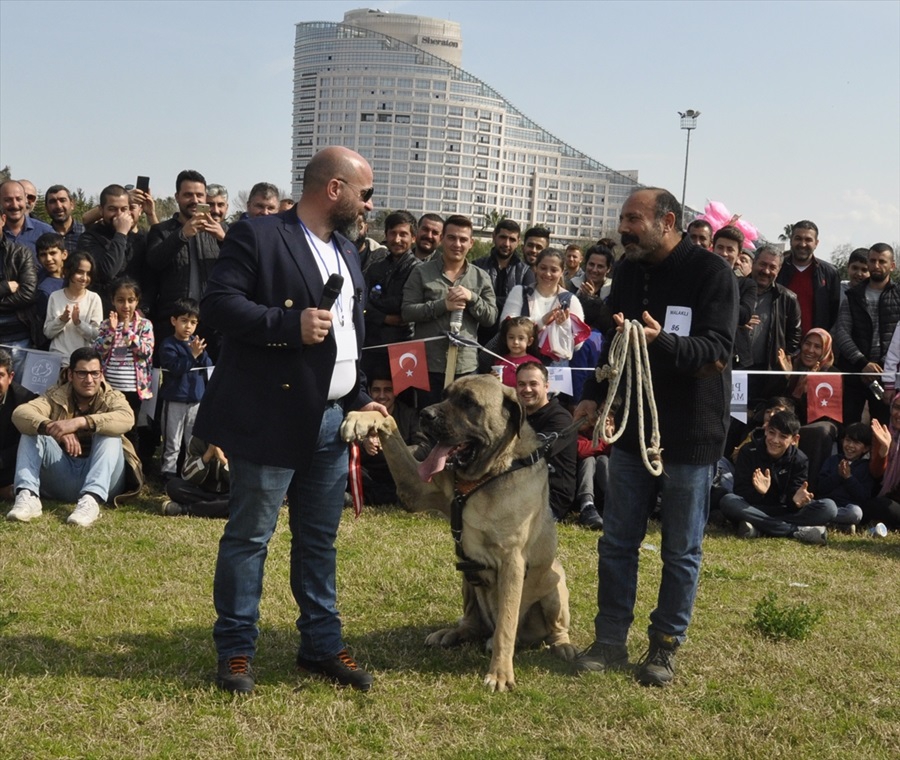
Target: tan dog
[507,528]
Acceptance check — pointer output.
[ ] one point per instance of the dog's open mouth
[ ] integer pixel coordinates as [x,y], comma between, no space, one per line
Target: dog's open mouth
[444,456]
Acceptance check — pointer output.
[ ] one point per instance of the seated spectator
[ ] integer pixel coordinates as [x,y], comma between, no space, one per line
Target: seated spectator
[74,313]
[73,447]
[885,468]
[202,491]
[378,484]
[181,357]
[592,474]
[518,334]
[770,488]
[547,416]
[816,438]
[11,395]
[846,478]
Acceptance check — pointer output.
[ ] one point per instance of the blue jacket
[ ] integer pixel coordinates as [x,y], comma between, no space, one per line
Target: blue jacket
[857,489]
[182,380]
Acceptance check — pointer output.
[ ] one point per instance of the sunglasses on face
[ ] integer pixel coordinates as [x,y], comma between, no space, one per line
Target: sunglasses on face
[365,194]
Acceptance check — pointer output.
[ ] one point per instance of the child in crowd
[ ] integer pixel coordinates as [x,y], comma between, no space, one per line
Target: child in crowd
[125,343]
[518,335]
[846,478]
[52,254]
[203,489]
[73,313]
[182,357]
[770,487]
[592,473]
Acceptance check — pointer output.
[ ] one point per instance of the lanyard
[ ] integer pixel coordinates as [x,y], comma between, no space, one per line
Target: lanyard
[339,302]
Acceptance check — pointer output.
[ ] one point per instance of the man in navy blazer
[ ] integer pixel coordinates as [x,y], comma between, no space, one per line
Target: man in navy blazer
[286,374]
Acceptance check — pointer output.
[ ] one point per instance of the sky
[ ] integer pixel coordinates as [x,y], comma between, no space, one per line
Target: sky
[799,101]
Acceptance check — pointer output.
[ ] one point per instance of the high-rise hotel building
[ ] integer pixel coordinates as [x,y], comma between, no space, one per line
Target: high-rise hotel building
[439,140]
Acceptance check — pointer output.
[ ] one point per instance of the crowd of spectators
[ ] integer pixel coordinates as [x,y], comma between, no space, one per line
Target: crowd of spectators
[132,294]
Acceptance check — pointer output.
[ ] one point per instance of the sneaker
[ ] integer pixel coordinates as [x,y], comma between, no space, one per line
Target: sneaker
[657,666]
[26,507]
[236,675]
[811,534]
[602,657]
[590,518]
[172,509]
[746,530]
[341,670]
[86,511]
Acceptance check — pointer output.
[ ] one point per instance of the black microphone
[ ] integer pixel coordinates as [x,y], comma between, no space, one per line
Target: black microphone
[331,291]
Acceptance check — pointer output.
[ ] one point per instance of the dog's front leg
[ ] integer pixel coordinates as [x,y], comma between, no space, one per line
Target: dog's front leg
[415,494]
[510,580]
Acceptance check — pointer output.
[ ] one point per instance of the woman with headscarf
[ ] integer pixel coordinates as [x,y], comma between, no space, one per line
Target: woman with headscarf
[816,438]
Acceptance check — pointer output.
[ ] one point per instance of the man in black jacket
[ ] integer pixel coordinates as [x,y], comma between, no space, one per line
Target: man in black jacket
[182,251]
[547,416]
[685,298]
[11,395]
[865,326]
[506,270]
[816,283]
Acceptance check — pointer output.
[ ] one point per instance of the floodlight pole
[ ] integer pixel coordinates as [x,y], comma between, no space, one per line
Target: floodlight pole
[688,122]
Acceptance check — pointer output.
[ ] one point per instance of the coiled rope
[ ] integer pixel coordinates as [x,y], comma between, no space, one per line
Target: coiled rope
[628,355]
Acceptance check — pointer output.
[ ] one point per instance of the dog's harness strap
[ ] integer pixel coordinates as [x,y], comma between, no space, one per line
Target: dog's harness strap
[463,489]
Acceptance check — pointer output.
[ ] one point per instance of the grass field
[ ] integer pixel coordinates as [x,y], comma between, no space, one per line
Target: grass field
[106,652]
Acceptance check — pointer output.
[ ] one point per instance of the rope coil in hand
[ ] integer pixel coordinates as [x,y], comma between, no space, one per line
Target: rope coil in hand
[628,355]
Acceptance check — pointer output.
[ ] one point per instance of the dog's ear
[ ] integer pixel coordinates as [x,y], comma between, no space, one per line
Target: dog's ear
[516,411]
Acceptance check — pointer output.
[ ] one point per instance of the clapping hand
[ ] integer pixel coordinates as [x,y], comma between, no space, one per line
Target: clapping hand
[762,480]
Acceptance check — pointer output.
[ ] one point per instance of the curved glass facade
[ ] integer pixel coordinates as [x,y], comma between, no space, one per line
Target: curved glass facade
[439,139]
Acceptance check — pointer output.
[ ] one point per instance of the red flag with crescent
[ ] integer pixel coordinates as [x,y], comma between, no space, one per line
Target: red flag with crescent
[409,369]
[824,397]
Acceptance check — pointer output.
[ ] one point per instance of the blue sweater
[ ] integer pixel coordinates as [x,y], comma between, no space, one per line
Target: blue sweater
[181,380]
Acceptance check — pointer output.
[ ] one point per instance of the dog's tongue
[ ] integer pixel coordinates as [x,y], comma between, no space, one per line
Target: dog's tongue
[434,462]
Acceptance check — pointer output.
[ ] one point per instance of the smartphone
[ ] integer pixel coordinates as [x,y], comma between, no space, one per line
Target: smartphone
[202,209]
[143,184]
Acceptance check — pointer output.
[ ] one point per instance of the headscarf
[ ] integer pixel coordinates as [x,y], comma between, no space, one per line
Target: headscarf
[824,363]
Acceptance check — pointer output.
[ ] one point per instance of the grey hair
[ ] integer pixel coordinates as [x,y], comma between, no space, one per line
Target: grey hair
[216,191]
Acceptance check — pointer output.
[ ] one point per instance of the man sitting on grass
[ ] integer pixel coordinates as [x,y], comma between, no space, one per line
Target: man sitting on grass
[73,446]
[770,487]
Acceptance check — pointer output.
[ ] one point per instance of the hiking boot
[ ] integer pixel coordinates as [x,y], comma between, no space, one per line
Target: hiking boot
[657,666]
[26,507]
[236,675]
[590,518]
[341,670]
[602,657]
[811,534]
[86,511]
[746,530]
[172,509]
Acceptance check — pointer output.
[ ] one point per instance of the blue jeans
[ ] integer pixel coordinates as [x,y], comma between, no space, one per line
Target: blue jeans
[45,469]
[778,520]
[315,501]
[684,509]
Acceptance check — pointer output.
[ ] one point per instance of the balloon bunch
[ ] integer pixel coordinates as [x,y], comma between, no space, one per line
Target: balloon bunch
[718,216]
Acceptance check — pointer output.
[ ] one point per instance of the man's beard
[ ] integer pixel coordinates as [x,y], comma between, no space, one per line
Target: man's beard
[878,277]
[347,223]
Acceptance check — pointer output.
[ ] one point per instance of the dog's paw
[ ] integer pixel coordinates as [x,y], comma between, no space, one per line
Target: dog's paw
[566,651]
[500,681]
[446,637]
[359,425]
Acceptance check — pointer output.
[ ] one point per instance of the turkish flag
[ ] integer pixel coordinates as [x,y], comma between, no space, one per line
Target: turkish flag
[824,397]
[409,369]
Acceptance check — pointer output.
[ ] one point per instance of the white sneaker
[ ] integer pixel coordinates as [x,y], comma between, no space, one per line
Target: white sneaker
[27,506]
[812,534]
[746,530]
[86,511]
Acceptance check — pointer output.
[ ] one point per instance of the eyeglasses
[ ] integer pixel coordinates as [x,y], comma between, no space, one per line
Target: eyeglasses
[84,374]
[365,194]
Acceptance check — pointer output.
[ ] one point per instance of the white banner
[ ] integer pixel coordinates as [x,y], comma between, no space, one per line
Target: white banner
[560,380]
[739,396]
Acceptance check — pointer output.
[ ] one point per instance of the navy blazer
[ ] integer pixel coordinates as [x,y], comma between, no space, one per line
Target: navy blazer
[268,393]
